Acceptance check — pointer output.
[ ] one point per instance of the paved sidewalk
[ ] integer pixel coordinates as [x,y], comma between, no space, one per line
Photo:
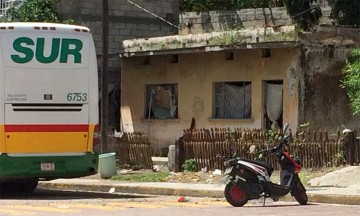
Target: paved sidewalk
[337,195]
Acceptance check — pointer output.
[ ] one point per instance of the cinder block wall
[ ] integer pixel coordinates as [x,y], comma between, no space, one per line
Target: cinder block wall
[209,21]
[126,21]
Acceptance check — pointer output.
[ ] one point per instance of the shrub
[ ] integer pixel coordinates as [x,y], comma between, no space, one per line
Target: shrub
[189,165]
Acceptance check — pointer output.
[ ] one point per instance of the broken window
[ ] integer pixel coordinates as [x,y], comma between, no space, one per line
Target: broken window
[232,100]
[161,101]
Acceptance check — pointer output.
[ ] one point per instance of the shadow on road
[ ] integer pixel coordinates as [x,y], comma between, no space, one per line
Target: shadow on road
[272,205]
[41,194]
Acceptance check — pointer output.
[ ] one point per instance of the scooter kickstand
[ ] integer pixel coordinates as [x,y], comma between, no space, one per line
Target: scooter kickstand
[264,200]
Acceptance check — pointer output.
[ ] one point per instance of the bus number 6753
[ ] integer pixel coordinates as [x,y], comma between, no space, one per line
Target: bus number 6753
[77,97]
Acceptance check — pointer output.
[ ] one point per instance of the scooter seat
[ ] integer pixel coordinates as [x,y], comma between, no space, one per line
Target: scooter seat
[264,164]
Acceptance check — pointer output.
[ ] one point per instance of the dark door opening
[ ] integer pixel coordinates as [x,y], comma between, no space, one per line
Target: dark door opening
[273,104]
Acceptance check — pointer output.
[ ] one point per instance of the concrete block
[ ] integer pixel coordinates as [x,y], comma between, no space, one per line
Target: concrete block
[114,31]
[119,13]
[163,161]
[171,158]
[250,17]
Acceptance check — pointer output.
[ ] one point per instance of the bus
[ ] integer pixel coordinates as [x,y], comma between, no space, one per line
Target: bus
[49,104]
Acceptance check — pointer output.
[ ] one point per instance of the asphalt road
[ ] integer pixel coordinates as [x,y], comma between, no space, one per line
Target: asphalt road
[56,203]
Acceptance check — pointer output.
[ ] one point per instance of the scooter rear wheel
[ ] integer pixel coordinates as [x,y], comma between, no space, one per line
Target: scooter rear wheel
[299,193]
[235,195]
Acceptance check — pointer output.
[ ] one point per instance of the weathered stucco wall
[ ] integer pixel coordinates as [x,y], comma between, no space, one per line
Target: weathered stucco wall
[195,74]
[323,102]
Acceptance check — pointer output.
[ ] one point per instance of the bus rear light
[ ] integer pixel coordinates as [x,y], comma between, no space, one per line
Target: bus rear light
[78,30]
[10,27]
[96,135]
[44,28]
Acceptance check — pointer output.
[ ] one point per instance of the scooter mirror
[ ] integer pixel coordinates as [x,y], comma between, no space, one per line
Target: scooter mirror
[252,148]
[286,126]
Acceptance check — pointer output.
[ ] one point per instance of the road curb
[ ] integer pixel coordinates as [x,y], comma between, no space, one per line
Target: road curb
[335,199]
[133,189]
[328,198]
[313,198]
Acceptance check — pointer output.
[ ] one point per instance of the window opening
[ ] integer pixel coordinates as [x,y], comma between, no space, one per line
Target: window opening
[232,100]
[161,101]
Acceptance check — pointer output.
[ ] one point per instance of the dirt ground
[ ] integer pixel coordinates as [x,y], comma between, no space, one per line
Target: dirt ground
[213,178]
[195,177]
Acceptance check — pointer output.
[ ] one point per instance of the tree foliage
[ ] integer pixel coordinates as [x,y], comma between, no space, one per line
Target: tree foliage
[208,5]
[351,80]
[305,13]
[346,12]
[36,11]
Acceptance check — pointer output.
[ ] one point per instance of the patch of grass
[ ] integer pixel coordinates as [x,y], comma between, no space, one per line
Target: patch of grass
[142,177]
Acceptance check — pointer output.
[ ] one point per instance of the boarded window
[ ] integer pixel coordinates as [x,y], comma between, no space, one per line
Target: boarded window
[161,101]
[232,100]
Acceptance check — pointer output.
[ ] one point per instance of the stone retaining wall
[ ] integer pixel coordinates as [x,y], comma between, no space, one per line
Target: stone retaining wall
[194,22]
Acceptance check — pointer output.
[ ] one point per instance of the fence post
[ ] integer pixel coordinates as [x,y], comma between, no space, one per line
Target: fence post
[349,144]
[356,147]
[179,154]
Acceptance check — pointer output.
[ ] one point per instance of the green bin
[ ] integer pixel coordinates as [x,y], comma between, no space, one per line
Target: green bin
[107,165]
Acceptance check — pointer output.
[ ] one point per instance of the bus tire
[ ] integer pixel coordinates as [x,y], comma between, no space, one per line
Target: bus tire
[10,188]
[29,185]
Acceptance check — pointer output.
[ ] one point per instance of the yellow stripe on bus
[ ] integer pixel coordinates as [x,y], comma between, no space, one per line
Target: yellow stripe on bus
[2,139]
[91,135]
[46,142]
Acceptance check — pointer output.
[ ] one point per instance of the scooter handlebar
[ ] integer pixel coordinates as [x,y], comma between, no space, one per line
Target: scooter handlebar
[276,148]
[266,152]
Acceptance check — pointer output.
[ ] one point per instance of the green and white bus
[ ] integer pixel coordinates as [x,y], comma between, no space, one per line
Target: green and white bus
[48,104]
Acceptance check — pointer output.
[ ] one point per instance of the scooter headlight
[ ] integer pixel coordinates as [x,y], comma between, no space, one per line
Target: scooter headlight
[230,162]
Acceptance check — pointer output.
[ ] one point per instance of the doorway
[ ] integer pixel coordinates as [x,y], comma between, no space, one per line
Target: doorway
[273,104]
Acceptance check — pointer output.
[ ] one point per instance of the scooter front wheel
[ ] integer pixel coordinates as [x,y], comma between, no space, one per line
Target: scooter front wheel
[235,195]
[299,193]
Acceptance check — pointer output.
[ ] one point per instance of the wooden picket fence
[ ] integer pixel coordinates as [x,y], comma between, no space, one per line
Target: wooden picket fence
[133,150]
[315,149]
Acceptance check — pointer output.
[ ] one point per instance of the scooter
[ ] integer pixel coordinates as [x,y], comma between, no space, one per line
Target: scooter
[247,179]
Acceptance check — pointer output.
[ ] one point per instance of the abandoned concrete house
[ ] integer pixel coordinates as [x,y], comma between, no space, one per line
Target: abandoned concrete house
[125,21]
[249,78]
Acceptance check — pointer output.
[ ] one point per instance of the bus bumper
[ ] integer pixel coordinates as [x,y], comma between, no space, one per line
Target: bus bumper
[48,167]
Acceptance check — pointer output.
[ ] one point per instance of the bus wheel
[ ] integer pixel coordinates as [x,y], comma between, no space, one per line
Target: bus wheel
[29,185]
[9,188]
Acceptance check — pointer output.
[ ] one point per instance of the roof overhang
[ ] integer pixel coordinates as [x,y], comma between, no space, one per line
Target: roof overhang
[281,37]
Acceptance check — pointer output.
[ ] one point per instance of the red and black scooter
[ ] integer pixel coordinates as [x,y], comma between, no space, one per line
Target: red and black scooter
[247,179]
